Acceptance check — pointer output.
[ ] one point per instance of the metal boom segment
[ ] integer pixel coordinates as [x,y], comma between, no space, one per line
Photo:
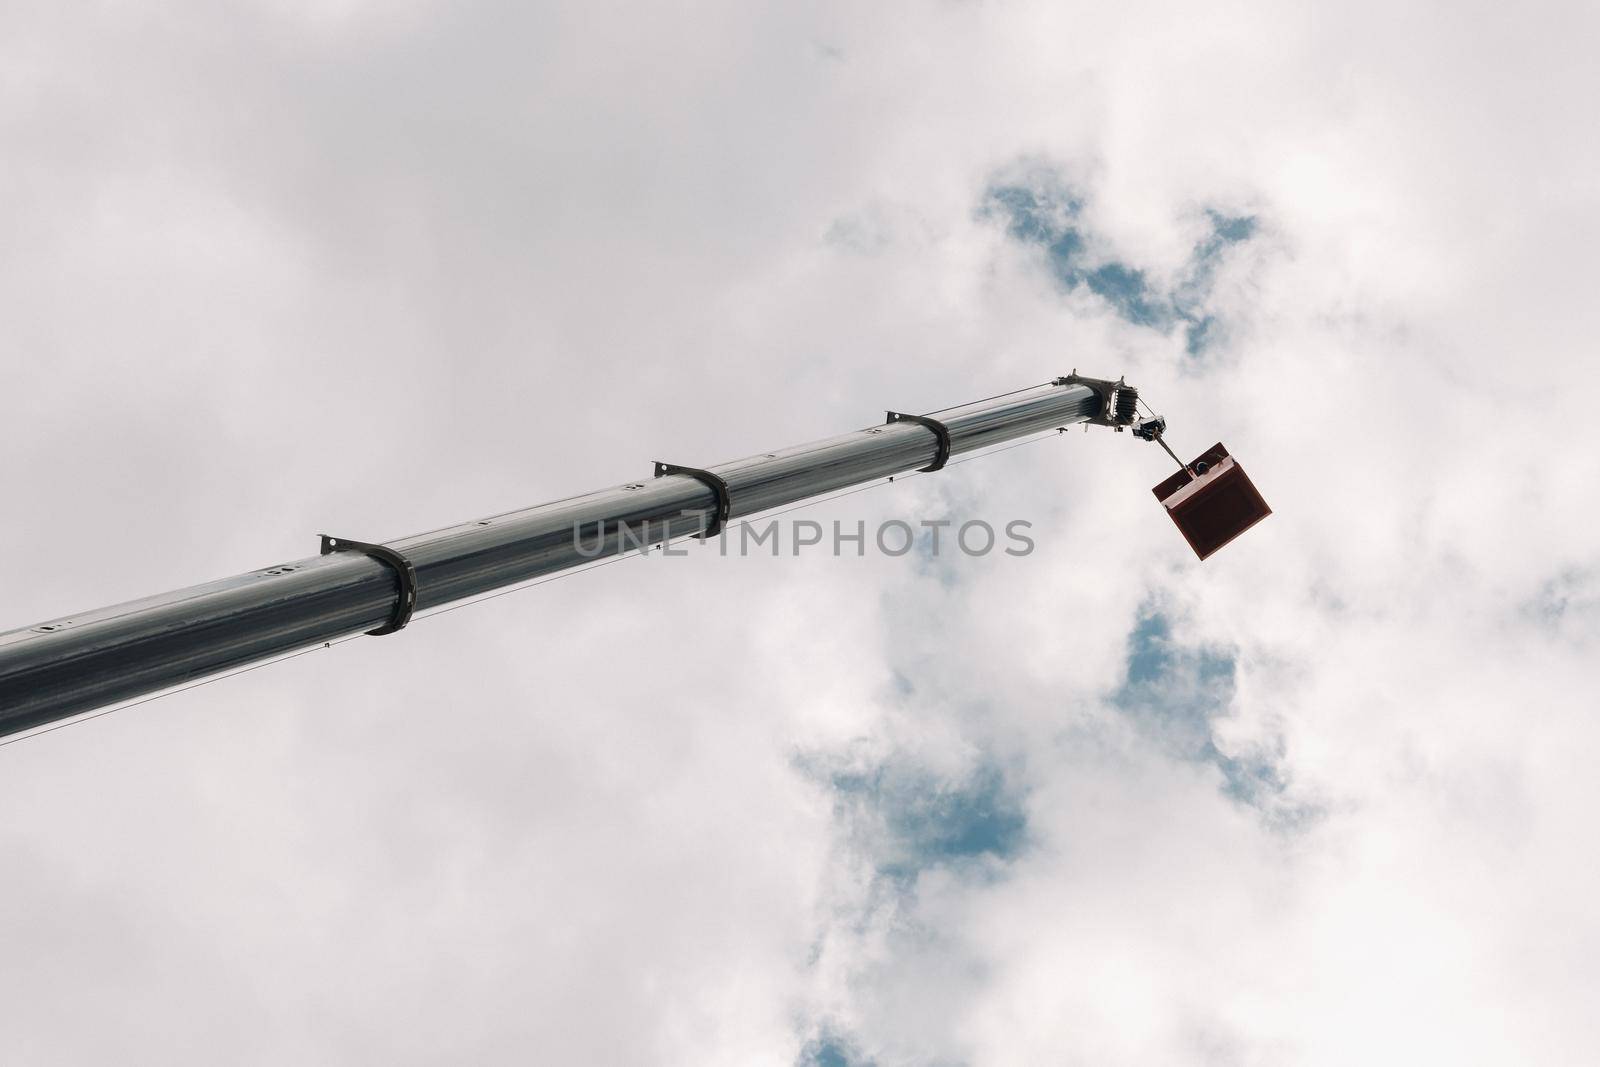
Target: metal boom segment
[73,664]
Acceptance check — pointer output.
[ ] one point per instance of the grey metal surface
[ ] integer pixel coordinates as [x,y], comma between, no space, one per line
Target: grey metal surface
[79,662]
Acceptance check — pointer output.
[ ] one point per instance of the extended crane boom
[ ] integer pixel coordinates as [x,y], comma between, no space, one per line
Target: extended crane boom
[69,665]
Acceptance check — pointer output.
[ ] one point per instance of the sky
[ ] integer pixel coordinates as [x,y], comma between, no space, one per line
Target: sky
[276,268]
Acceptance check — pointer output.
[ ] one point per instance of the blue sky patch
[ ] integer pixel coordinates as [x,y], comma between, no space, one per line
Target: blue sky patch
[1167,680]
[1569,593]
[1175,691]
[1199,334]
[1047,214]
[829,1051]
[1250,780]
[1567,606]
[930,823]
[1126,290]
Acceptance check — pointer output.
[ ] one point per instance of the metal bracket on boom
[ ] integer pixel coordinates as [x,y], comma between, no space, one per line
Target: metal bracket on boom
[1118,400]
[396,562]
[714,482]
[941,433]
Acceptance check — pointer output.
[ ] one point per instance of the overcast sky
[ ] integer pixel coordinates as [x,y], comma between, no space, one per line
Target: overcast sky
[271,269]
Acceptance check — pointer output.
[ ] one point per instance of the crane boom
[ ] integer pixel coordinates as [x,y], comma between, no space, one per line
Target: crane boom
[57,669]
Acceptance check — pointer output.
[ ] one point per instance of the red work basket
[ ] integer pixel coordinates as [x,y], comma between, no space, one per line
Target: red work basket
[1212,508]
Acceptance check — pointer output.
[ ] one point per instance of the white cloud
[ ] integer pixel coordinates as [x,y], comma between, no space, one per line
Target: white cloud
[273,270]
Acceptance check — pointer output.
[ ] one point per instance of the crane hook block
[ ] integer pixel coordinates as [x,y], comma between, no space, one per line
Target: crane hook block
[1213,501]
[394,561]
[941,434]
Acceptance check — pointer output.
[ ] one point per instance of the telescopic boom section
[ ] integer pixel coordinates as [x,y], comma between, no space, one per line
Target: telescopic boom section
[60,668]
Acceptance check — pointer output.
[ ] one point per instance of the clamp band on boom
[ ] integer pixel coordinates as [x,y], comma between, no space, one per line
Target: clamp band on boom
[396,562]
[719,517]
[940,431]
